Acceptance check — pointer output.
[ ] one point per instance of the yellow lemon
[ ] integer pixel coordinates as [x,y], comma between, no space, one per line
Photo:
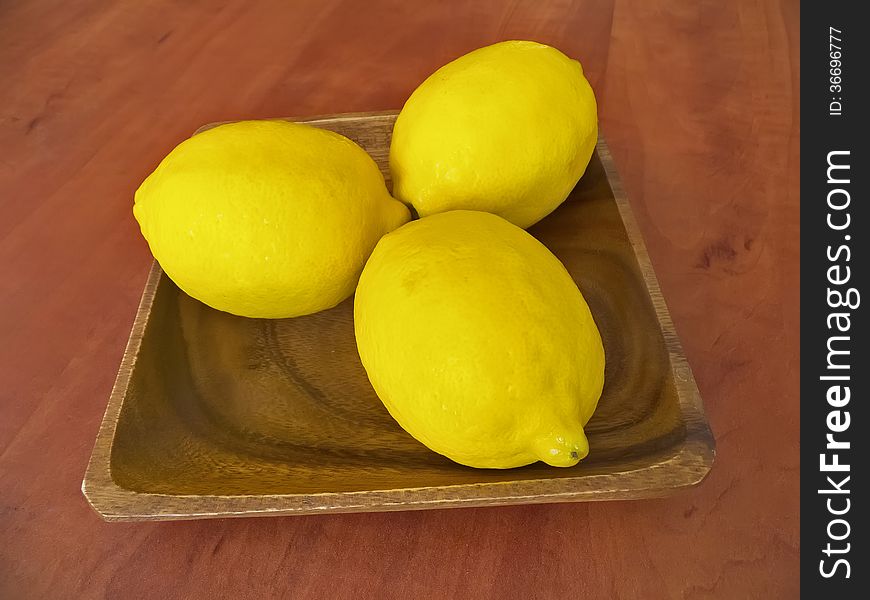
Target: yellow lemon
[266,218]
[506,129]
[478,342]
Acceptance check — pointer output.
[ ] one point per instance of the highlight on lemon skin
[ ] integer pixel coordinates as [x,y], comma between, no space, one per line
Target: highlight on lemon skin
[478,342]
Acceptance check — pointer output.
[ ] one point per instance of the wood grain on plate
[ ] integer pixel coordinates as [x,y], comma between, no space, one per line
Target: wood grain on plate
[218,415]
[699,103]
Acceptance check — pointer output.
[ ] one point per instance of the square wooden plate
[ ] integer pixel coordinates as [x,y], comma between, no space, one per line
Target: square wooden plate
[214,415]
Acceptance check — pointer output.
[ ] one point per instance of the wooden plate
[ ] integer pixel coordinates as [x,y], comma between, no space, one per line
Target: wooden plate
[214,415]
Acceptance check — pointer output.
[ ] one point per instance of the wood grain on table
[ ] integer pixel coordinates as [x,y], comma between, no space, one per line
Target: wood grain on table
[699,103]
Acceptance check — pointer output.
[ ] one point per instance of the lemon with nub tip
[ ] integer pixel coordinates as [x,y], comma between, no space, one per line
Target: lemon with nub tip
[266,218]
[478,342]
[507,129]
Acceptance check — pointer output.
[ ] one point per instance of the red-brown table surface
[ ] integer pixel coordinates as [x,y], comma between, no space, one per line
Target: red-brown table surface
[699,103]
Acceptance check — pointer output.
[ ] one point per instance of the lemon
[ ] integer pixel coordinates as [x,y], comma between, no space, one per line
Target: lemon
[506,129]
[478,342]
[266,218]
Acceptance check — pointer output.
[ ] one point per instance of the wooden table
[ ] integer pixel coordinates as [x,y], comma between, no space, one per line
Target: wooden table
[699,102]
